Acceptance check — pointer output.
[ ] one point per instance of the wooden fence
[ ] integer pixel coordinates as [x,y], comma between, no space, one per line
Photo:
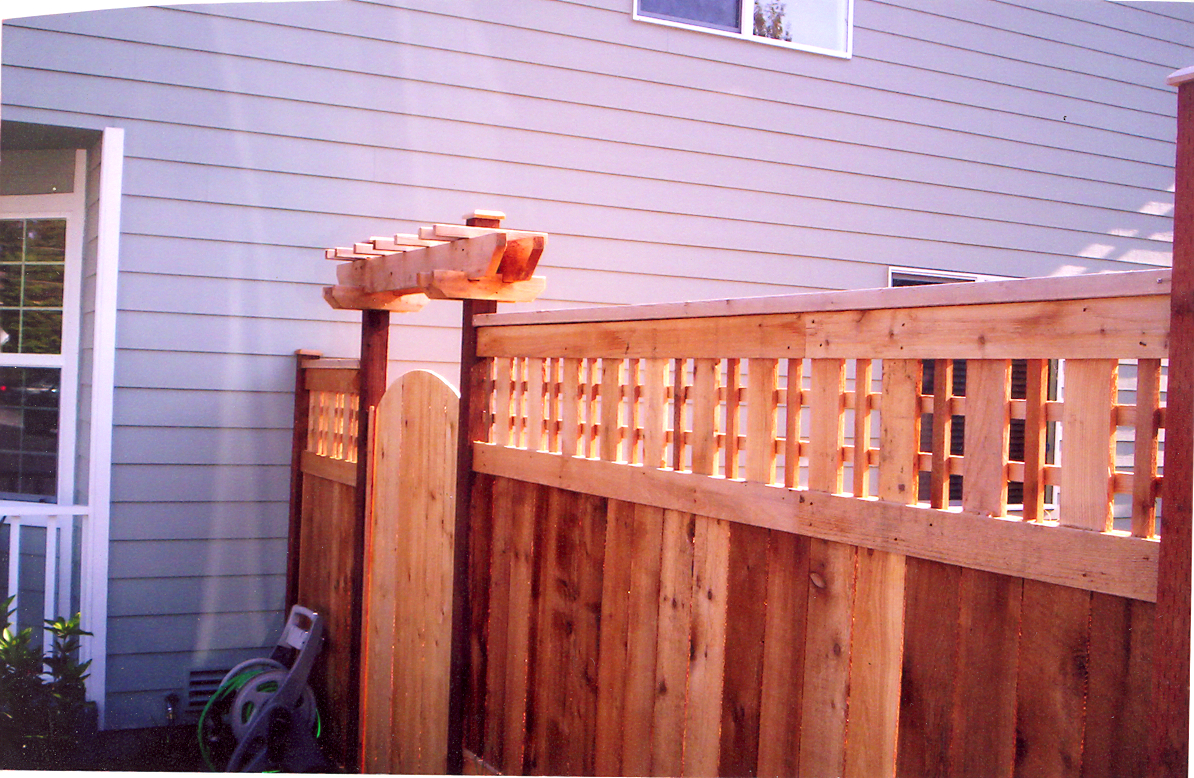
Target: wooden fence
[719,538]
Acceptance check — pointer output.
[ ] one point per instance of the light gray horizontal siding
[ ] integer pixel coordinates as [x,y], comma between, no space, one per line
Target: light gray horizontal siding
[1012,138]
[199,521]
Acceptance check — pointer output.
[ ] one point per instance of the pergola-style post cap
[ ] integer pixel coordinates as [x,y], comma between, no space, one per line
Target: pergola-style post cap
[1179,77]
[489,216]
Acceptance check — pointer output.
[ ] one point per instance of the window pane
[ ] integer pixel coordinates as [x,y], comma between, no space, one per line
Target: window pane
[719,14]
[818,23]
[31,285]
[29,432]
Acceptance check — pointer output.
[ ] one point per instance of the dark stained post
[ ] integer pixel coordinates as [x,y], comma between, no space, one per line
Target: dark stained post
[375,347]
[472,416]
[1171,679]
[298,444]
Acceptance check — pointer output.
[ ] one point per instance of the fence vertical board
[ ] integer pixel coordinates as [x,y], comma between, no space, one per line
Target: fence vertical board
[745,629]
[481,540]
[1051,695]
[589,406]
[502,393]
[1088,435]
[704,416]
[671,660]
[536,388]
[706,669]
[611,403]
[522,594]
[989,622]
[733,408]
[761,420]
[1117,708]
[862,427]
[783,655]
[642,616]
[654,417]
[679,401]
[879,597]
[929,665]
[984,704]
[570,406]
[943,381]
[792,423]
[499,649]
[631,442]
[1035,428]
[831,596]
[570,586]
[615,630]
[1144,465]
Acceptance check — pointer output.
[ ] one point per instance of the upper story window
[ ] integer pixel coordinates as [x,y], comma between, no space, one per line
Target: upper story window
[823,26]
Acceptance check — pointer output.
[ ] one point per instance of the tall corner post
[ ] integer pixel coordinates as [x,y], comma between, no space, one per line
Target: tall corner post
[472,417]
[374,362]
[1171,666]
[298,444]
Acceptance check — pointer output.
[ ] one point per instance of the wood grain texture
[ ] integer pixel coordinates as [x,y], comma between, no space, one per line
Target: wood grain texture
[1087,446]
[673,646]
[1118,712]
[1144,456]
[746,621]
[1035,437]
[879,598]
[706,373]
[1082,329]
[706,666]
[1053,680]
[642,617]
[1094,561]
[943,380]
[984,480]
[615,630]
[782,678]
[565,702]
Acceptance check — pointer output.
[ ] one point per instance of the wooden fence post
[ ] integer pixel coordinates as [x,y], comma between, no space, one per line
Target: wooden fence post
[375,346]
[471,416]
[1171,678]
[298,444]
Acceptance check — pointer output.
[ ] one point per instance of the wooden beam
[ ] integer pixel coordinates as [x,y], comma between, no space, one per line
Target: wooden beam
[1113,563]
[298,446]
[452,285]
[1171,678]
[351,298]
[1143,283]
[1124,328]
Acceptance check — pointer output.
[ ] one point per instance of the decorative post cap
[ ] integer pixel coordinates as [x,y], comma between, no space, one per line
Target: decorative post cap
[1179,77]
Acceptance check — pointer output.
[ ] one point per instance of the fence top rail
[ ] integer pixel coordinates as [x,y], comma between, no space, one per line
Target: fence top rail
[1144,283]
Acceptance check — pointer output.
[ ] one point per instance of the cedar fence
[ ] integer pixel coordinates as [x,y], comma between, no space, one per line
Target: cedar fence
[883,532]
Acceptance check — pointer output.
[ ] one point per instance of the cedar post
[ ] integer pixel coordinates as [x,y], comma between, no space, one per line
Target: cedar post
[471,415]
[298,444]
[375,346]
[1171,674]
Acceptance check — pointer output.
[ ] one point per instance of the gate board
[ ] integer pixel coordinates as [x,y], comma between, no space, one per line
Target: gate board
[409,578]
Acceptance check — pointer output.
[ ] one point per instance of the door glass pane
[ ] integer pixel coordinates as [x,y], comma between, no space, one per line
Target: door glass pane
[32,271]
[29,432]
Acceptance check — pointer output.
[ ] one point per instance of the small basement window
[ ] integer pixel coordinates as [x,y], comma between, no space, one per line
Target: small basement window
[822,26]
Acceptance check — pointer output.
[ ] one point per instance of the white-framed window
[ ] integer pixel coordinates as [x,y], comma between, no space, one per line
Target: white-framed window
[821,26]
[41,260]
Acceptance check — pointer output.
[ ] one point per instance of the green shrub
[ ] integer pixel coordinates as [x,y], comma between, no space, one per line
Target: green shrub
[43,707]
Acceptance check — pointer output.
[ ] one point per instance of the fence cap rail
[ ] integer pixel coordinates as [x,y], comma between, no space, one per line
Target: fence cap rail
[1140,283]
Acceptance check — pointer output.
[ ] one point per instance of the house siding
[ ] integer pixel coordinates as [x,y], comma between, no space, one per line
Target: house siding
[990,137]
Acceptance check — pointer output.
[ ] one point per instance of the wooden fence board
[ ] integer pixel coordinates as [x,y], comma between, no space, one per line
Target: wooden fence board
[1087,446]
[642,618]
[655,417]
[744,641]
[673,643]
[481,540]
[879,599]
[984,481]
[782,680]
[498,649]
[570,585]
[521,625]
[1117,707]
[706,666]
[615,632]
[1035,437]
[929,667]
[611,403]
[1051,693]
[984,734]
[1144,460]
[704,416]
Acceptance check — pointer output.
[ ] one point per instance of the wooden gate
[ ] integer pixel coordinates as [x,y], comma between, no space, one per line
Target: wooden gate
[408,578]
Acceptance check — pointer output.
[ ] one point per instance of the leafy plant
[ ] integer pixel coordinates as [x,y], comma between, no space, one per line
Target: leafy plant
[42,698]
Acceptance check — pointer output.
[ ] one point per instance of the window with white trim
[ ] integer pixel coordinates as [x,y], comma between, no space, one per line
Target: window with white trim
[822,26]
